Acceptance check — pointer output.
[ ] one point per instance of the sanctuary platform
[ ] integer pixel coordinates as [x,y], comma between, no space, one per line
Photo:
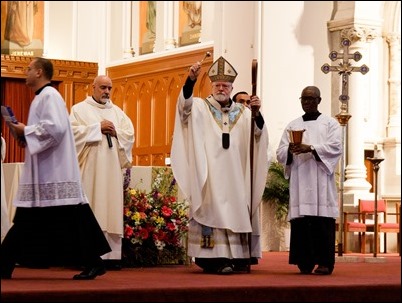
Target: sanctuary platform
[272,280]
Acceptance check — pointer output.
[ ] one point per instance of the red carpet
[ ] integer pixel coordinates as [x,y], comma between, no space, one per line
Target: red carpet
[273,280]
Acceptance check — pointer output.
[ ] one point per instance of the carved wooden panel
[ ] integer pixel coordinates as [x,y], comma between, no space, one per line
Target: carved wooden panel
[15,93]
[73,79]
[147,91]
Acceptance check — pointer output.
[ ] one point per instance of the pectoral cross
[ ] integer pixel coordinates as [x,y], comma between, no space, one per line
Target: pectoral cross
[344,69]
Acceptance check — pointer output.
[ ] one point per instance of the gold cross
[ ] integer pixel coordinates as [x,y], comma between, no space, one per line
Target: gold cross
[345,69]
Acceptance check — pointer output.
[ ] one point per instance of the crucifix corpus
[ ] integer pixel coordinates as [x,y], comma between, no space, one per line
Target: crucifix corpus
[344,69]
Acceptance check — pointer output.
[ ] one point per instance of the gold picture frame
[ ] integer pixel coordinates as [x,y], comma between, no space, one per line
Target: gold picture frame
[190,15]
[22,28]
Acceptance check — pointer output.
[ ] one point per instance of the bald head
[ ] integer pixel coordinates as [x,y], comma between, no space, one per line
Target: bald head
[312,91]
[101,79]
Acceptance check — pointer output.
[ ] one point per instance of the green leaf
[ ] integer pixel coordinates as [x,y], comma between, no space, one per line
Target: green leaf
[276,190]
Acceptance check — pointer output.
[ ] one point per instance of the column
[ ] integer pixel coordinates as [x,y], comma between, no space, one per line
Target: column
[394,81]
[392,144]
[169,13]
[127,31]
[355,172]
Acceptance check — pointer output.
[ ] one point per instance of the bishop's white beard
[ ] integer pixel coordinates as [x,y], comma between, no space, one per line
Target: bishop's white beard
[220,97]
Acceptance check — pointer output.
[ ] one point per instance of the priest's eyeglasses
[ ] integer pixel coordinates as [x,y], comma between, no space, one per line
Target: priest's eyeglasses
[307,99]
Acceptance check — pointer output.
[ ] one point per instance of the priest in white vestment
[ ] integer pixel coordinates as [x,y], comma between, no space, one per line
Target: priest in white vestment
[311,166]
[104,138]
[210,160]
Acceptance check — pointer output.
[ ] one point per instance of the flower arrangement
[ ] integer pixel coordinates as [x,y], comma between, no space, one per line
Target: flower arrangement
[155,222]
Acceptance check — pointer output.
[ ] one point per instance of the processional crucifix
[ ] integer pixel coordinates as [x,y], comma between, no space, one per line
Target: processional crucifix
[344,69]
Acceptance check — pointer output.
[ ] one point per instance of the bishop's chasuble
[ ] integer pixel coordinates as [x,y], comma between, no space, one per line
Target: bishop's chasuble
[216,178]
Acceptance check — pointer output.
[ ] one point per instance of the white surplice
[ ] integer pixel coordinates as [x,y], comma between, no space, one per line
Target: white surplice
[312,183]
[216,180]
[48,135]
[101,166]
[5,220]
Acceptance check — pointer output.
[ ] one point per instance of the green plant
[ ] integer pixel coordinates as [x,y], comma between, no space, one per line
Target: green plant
[276,190]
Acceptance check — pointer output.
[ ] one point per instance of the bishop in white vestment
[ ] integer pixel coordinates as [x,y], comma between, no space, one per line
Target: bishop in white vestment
[211,163]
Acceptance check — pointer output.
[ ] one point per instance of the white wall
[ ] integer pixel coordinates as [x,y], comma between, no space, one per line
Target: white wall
[294,47]
[235,38]
[75,30]
[289,39]
[59,30]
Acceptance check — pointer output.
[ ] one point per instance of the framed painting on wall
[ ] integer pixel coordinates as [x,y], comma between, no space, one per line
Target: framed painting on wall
[22,28]
[147,26]
[190,14]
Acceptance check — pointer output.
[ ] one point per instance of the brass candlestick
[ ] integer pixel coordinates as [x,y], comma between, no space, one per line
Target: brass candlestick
[376,166]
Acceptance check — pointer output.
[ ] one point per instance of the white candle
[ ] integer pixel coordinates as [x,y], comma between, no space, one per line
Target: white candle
[376,151]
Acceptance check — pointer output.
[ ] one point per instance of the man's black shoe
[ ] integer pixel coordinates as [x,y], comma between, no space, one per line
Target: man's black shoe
[112,264]
[5,276]
[6,271]
[322,270]
[305,269]
[253,260]
[90,273]
[305,272]
[240,268]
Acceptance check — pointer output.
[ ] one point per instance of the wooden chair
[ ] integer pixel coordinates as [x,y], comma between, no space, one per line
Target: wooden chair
[353,226]
[385,227]
[361,224]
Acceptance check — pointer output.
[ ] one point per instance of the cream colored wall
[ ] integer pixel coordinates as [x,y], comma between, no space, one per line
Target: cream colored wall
[236,38]
[77,30]
[59,30]
[294,47]
[115,37]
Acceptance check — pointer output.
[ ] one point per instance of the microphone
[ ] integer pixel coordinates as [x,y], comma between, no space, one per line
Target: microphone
[109,140]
